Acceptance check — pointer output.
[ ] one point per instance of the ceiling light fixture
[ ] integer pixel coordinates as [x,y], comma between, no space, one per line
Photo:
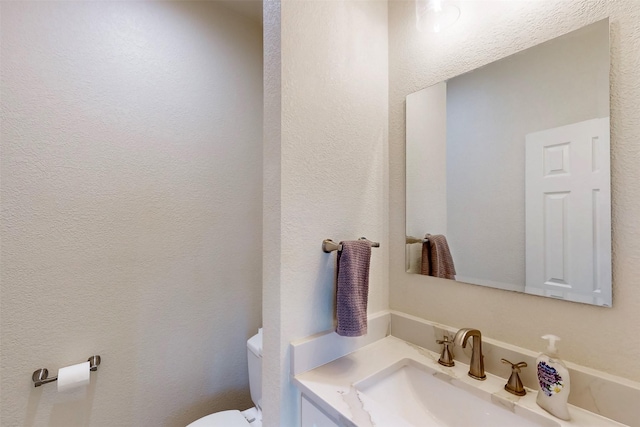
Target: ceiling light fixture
[435,15]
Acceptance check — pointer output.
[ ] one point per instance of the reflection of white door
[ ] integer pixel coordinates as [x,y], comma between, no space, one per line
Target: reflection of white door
[568,212]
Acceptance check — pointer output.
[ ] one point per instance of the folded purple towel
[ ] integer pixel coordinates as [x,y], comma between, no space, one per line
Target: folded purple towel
[353,287]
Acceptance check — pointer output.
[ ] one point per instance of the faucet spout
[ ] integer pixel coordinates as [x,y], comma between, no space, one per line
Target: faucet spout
[476,366]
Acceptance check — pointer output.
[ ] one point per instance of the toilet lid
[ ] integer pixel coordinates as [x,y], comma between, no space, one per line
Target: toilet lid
[221,419]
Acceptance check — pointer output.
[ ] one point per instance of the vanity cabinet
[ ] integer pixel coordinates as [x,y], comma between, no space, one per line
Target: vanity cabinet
[311,416]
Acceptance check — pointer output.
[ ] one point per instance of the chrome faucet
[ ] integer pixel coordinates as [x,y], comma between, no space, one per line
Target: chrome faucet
[476,366]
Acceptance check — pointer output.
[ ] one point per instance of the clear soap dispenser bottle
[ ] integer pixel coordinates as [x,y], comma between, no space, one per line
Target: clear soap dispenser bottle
[553,377]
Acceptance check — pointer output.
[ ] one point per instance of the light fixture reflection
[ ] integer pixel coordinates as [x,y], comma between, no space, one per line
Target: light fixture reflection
[435,15]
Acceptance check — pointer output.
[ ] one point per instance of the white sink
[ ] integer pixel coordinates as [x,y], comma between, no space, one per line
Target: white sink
[413,392]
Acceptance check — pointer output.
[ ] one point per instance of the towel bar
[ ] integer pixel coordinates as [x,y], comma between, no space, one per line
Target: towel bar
[412,240]
[329,245]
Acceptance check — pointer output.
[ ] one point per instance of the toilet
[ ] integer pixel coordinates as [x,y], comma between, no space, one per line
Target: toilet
[252,417]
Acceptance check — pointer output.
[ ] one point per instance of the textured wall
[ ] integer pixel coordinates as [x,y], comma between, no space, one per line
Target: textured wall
[272,352]
[131,209]
[333,179]
[486,31]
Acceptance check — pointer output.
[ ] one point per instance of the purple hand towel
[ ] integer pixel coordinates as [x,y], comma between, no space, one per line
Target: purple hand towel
[436,258]
[353,287]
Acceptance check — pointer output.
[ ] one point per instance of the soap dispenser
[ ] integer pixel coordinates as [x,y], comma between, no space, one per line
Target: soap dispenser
[553,377]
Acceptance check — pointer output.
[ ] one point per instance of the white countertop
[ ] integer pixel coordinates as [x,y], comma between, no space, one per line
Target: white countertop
[331,388]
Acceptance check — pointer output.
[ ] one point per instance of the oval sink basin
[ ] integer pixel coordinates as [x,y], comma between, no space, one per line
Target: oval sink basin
[421,397]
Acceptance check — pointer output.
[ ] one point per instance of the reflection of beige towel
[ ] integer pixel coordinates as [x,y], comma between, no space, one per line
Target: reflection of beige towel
[436,258]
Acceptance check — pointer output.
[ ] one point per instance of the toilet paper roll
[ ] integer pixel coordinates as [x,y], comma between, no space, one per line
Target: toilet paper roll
[73,377]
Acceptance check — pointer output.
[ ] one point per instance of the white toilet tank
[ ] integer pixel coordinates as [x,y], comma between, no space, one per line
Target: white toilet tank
[254,360]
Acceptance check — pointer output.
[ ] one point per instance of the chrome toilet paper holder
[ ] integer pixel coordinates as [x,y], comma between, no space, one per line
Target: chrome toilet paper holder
[41,376]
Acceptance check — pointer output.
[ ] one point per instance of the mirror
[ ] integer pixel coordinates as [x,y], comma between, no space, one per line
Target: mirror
[510,163]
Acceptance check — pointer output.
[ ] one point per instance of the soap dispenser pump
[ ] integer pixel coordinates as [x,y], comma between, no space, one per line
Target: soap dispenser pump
[553,377]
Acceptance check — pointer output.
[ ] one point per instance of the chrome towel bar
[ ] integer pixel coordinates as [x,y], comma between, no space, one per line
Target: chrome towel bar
[411,240]
[329,245]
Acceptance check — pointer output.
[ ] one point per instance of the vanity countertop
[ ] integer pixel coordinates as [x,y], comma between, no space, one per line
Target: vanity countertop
[331,386]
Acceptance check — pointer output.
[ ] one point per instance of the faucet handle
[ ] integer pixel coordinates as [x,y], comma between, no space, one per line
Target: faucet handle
[446,358]
[514,385]
[445,341]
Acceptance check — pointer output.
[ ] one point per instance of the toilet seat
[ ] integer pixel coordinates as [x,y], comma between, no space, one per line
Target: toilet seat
[231,418]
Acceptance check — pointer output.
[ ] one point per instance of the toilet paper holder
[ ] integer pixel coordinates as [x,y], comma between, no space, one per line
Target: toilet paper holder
[41,376]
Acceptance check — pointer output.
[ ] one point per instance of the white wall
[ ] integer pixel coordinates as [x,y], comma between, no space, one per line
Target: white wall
[131,208]
[486,31]
[328,157]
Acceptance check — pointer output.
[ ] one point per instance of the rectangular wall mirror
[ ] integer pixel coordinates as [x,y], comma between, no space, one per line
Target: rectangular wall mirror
[511,163]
